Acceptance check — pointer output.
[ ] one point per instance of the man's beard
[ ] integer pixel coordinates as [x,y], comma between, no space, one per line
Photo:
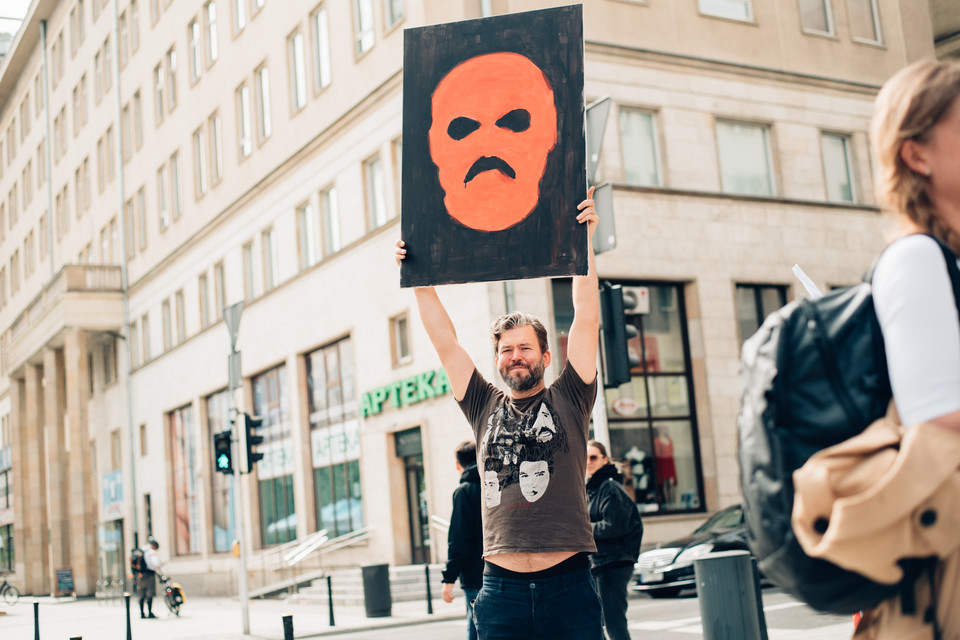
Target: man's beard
[524,383]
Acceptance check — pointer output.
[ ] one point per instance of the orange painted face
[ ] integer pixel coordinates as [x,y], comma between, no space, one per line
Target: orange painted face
[494,123]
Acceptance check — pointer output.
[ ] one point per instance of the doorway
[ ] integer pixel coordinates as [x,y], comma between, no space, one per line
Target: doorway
[410,449]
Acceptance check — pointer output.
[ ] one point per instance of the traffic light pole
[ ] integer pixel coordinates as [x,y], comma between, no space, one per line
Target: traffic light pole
[231,317]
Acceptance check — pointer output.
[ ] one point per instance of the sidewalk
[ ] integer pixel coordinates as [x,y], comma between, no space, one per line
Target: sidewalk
[205,618]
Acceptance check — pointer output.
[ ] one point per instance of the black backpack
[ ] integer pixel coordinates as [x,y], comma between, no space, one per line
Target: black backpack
[814,375]
[137,563]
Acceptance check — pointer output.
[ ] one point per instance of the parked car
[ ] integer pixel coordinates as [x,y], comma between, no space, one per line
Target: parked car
[663,572]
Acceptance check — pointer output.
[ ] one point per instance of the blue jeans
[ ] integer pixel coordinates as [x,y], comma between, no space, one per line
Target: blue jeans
[471,595]
[564,607]
[612,584]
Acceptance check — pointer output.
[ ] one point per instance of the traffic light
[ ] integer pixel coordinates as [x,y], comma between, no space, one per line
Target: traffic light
[616,332]
[250,426]
[223,452]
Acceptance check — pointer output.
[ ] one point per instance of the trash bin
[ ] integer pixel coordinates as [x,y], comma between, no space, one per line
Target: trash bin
[376,590]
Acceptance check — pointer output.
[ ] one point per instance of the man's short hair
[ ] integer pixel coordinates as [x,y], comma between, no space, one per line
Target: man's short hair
[466,453]
[518,319]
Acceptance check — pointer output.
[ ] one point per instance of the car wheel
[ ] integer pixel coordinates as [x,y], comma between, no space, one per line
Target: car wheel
[670,592]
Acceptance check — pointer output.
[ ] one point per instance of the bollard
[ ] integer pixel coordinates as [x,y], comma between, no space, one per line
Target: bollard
[376,590]
[426,571]
[126,598]
[729,595]
[330,598]
[36,620]
[288,627]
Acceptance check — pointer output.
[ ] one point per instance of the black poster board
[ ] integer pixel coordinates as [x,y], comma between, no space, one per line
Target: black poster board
[65,582]
[493,149]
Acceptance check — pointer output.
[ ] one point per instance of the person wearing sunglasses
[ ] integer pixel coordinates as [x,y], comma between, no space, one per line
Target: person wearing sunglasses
[617,530]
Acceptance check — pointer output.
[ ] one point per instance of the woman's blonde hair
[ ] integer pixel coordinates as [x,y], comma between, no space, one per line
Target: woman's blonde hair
[908,106]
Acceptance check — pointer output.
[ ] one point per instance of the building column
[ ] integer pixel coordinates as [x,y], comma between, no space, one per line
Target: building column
[81,493]
[55,458]
[29,487]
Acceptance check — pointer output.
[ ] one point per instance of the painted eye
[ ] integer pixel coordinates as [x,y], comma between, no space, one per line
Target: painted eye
[517,120]
[460,128]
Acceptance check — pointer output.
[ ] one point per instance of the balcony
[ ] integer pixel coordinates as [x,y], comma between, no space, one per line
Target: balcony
[85,297]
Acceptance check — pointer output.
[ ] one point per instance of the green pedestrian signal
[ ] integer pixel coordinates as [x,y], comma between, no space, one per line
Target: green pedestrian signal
[223,452]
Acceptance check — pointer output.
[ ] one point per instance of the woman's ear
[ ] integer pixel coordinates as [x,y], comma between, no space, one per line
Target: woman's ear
[914,155]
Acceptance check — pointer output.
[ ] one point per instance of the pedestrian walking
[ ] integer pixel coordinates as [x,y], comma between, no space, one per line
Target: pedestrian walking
[617,530]
[465,537]
[533,447]
[145,563]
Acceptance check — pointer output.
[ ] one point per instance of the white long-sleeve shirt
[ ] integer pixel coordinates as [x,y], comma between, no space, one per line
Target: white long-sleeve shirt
[914,302]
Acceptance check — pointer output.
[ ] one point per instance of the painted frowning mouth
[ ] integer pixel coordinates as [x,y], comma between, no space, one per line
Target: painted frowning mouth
[489,163]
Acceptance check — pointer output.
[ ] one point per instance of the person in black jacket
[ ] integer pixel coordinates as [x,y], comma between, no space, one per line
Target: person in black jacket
[465,538]
[617,530]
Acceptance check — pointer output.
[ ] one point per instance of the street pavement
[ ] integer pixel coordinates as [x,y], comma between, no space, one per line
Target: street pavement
[204,618]
[220,619]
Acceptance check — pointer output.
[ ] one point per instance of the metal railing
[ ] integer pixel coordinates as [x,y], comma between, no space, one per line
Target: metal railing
[440,524]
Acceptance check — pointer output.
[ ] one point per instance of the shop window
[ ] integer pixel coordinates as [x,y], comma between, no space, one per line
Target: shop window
[652,421]
[335,438]
[186,471]
[224,526]
[754,303]
[271,403]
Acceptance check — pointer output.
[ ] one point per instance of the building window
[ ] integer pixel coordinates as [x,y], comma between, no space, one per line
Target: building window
[134,337]
[816,17]
[115,242]
[321,49]
[176,204]
[264,120]
[204,300]
[392,12]
[199,163]
[137,120]
[224,526]
[126,125]
[130,232]
[335,438]
[145,331]
[167,325]
[745,159]
[754,303]
[733,9]
[108,350]
[307,236]
[163,179]
[837,167]
[193,46]
[171,69]
[653,427]
[638,143]
[268,242]
[181,317]
[363,25]
[271,402]
[331,220]
[123,39]
[186,472]
[375,193]
[212,43]
[134,26]
[142,216]
[298,72]
[219,291]
[215,134]
[239,15]
[400,339]
[143,440]
[249,285]
[244,126]
[865,21]
[158,94]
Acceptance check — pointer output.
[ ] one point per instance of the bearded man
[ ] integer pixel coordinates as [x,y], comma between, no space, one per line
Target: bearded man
[536,534]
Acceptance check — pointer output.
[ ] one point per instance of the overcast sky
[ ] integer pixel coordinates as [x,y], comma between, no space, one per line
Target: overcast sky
[12,9]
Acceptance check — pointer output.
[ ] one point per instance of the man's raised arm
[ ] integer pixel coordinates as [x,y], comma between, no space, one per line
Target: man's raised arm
[456,361]
[585,330]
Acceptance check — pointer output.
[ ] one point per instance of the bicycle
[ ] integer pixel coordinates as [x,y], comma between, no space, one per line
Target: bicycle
[9,593]
[173,594]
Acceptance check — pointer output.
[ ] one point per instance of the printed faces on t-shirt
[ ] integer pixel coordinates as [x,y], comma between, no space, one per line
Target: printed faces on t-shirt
[519,447]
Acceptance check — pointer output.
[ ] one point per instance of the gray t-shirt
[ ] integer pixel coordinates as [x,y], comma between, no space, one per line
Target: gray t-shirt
[532,460]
